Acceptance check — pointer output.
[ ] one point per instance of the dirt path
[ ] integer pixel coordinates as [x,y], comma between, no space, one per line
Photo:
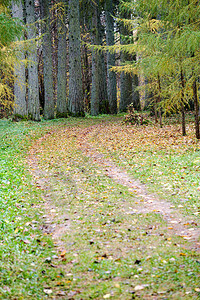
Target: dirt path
[147,202]
[101,236]
[150,202]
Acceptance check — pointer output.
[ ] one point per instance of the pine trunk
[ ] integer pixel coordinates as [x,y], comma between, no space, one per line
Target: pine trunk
[33,85]
[112,84]
[20,105]
[75,103]
[126,80]
[103,94]
[47,61]
[182,104]
[99,102]
[86,78]
[196,109]
[62,65]
[159,100]
[95,85]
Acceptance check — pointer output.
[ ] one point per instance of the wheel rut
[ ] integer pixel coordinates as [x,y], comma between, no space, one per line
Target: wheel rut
[148,202]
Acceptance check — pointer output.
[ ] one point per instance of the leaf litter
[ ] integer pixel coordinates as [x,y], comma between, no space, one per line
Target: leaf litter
[87,216]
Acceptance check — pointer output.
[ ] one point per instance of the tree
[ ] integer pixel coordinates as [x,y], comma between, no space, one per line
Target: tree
[33,85]
[75,101]
[168,40]
[61,109]
[110,39]
[47,62]
[99,86]
[20,106]
[11,29]
[126,79]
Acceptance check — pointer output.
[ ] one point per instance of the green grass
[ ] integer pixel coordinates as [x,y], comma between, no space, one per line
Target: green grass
[23,247]
[109,251]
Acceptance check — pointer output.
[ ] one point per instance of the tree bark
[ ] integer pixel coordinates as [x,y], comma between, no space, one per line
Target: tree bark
[33,85]
[112,84]
[95,85]
[62,65]
[47,60]
[135,92]
[182,104]
[196,109]
[86,78]
[159,100]
[20,105]
[75,102]
[126,80]
[99,97]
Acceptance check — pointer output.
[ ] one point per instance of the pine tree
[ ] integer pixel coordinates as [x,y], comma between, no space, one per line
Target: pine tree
[61,109]
[75,102]
[33,84]
[47,62]
[110,39]
[20,105]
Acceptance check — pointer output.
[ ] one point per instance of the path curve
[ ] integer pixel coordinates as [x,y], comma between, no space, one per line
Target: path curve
[150,202]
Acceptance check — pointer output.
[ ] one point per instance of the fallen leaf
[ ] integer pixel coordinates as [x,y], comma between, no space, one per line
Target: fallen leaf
[139,287]
[26,241]
[106,296]
[60,293]
[16,230]
[63,253]
[48,291]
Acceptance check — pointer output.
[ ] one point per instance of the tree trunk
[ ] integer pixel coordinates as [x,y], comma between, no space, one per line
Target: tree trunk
[126,80]
[103,94]
[62,64]
[182,104]
[99,87]
[20,105]
[75,104]
[135,92]
[196,109]
[33,85]
[86,78]
[112,84]
[47,60]
[159,100]
[95,85]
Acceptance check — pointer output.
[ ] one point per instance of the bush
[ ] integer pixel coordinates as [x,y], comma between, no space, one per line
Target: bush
[135,118]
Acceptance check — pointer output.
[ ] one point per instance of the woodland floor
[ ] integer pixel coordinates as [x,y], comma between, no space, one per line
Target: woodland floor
[115,238]
[121,205]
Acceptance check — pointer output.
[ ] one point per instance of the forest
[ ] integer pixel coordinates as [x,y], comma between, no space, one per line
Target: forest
[70,58]
[99,149]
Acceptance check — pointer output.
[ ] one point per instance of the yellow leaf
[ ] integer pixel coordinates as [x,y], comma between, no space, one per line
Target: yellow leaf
[16,230]
[63,253]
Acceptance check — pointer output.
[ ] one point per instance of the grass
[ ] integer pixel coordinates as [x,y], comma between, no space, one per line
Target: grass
[23,247]
[111,251]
